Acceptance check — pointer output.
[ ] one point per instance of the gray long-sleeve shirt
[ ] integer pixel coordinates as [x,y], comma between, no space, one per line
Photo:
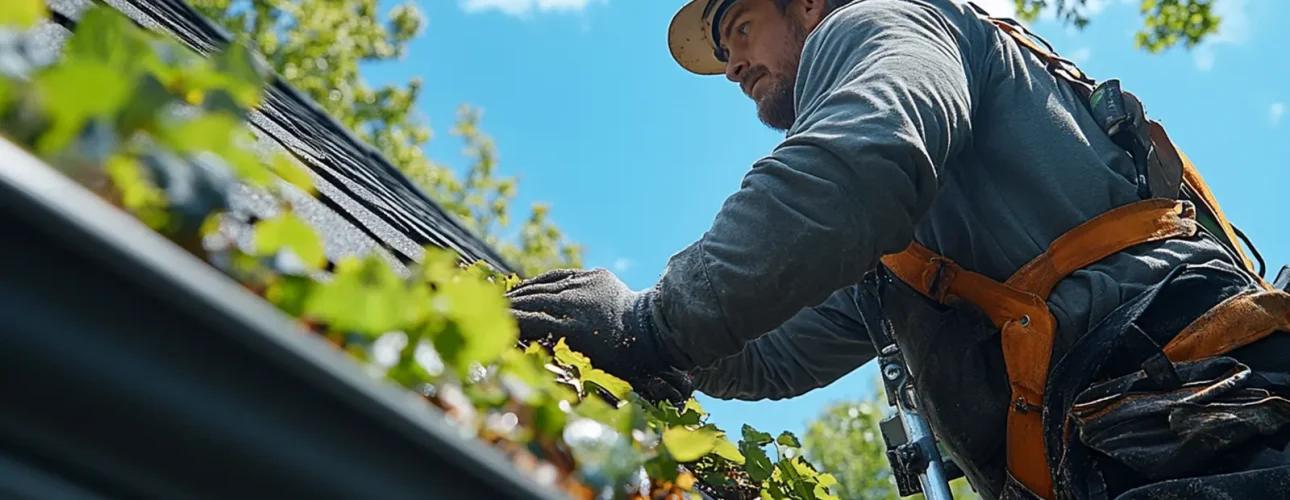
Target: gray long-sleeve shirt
[916,119]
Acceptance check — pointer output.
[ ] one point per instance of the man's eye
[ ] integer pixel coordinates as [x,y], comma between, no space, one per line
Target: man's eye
[743,29]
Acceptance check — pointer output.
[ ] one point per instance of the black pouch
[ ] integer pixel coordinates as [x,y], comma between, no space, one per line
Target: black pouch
[1119,417]
[1161,433]
[1124,119]
[1122,344]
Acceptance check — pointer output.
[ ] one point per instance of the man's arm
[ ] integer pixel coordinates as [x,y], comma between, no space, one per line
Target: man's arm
[883,102]
[813,349]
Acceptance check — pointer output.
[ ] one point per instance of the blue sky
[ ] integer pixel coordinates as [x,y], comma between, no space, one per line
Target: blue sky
[636,156]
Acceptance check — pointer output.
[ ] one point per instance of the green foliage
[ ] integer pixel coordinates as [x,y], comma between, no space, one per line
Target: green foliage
[586,373]
[22,13]
[288,232]
[845,439]
[689,444]
[318,45]
[70,107]
[364,296]
[1166,23]
[442,330]
[1170,22]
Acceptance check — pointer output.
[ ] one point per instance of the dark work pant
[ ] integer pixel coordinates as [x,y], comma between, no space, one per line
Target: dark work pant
[1121,422]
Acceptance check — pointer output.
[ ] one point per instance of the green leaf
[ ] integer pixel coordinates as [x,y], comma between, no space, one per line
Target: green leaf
[662,467]
[511,281]
[437,266]
[727,450]
[449,342]
[211,132]
[107,37]
[549,419]
[616,386]
[823,482]
[774,491]
[148,97]
[569,357]
[407,371]
[672,417]
[792,473]
[536,350]
[6,95]
[364,296]
[293,172]
[138,193]
[688,445]
[482,318]
[526,369]
[22,14]
[587,373]
[756,463]
[618,419]
[290,293]
[755,437]
[240,76]
[789,440]
[286,231]
[68,104]
[217,133]
[417,302]
[693,405]
[823,494]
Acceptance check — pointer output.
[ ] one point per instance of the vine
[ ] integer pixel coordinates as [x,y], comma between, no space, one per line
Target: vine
[161,136]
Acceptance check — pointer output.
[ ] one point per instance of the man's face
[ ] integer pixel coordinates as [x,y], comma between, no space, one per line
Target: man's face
[764,46]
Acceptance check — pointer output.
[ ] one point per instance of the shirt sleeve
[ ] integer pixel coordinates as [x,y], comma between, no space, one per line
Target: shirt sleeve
[883,101]
[813,349]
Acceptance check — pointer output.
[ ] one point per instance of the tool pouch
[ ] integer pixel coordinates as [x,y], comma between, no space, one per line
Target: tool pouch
[1124,119]
[1217,405]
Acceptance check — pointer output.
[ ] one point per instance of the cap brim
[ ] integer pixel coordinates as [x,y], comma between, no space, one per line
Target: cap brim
[690,39]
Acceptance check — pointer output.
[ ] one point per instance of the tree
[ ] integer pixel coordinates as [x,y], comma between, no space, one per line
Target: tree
[318,45]
[846,441]
[1167,22]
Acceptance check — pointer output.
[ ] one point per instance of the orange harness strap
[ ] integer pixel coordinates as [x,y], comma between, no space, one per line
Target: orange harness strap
[1236,322]
[1020,309]
[1084,85]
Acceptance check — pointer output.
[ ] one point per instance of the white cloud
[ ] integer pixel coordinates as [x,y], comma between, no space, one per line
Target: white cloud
[1233,29]
[1235,25]
[1276,112]
[622,264]
[524,7]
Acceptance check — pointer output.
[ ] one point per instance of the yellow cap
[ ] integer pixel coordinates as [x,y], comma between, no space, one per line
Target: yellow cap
[690,37]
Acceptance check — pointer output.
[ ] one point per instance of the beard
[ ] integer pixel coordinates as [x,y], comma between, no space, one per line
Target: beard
[776,109]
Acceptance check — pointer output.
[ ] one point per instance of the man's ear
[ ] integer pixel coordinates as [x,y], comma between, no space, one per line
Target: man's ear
[810,12]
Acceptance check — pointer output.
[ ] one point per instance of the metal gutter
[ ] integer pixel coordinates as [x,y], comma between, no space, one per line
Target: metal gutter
[134,369]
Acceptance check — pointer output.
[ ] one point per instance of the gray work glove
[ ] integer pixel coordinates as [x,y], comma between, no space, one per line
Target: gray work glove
[600,317]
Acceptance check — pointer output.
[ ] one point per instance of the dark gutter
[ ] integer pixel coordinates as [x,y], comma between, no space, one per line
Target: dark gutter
[132,369]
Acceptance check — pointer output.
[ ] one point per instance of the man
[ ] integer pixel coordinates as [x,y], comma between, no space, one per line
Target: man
[916,129]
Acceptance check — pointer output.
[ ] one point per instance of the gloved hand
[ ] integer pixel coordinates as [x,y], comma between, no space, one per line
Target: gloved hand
[600,317]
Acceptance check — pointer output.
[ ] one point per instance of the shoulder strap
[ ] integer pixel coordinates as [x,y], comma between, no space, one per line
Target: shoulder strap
[1164,170]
